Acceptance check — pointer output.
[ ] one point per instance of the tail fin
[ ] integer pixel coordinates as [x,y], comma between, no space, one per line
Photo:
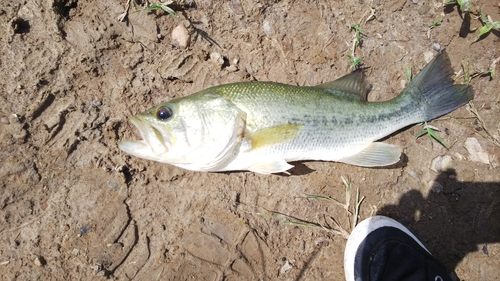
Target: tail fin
[435,91]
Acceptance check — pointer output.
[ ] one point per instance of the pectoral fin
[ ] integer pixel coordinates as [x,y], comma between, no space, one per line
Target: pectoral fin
[273,135]
[377,154]
[270,166]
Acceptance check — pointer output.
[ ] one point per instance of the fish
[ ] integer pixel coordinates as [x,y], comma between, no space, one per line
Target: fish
[262,126]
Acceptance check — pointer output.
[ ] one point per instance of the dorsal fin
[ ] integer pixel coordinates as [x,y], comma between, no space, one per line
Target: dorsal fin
[353,83]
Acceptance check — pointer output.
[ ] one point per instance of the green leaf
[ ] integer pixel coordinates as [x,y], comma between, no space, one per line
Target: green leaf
[409,74]
[160,6]
[436,22]
[421,133]
[355,60]
[433,135]
[431,132]
[483,30]
[464,5]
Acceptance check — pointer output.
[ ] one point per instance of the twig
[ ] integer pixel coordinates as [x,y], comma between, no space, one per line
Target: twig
[21,226]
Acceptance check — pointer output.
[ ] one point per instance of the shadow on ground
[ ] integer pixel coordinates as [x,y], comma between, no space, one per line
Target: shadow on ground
[456,218]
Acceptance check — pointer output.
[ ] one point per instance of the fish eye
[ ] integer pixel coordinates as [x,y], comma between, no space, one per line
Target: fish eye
[164,113]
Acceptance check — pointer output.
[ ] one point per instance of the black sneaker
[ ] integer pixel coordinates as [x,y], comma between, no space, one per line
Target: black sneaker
[381,248]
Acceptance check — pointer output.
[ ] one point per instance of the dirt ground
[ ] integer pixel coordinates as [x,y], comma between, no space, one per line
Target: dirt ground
[74,207]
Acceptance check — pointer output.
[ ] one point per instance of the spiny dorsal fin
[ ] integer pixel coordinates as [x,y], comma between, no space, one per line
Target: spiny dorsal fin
[353,83]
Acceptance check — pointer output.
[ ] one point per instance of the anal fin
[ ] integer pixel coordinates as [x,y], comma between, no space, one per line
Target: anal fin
[375,155]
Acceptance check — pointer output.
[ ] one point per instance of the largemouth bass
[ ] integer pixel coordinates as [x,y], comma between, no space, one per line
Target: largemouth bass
[261,126]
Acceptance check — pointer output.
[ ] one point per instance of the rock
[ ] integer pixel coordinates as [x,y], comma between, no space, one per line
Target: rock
[180,36]
[436,46]
[476,152]
[424,9]
[287,266]
[217,58]
[435,186]
[39,261]
[266,26]
[441,163]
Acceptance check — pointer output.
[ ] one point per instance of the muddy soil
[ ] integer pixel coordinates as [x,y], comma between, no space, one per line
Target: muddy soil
[72,206]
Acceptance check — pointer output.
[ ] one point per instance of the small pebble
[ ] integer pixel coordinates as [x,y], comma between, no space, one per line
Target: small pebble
[180,36]
[39,261]
[436,46]
[423,9]
[75,252]
[287,266]
[435,186]
[217,58]
[268,30]
[441,163]
[476,152]
[5,120]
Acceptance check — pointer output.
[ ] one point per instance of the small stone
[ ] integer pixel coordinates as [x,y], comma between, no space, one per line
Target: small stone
[423,9]
[287,266]
[417,215]
[40,261]
[441,163]
[5,120]
[476,152]
[217,58]
[436,46]
[268,30]
[435,186]
[75,252]
[180,36]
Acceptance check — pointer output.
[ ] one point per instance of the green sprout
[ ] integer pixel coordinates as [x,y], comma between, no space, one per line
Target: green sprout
[358,32]
[160,6]
[436,22]
[431,132]
[463,4]
[489,24]
[409,74]
[355,60]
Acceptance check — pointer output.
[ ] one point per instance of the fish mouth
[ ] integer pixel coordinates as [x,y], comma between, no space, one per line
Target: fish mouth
[153,142]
